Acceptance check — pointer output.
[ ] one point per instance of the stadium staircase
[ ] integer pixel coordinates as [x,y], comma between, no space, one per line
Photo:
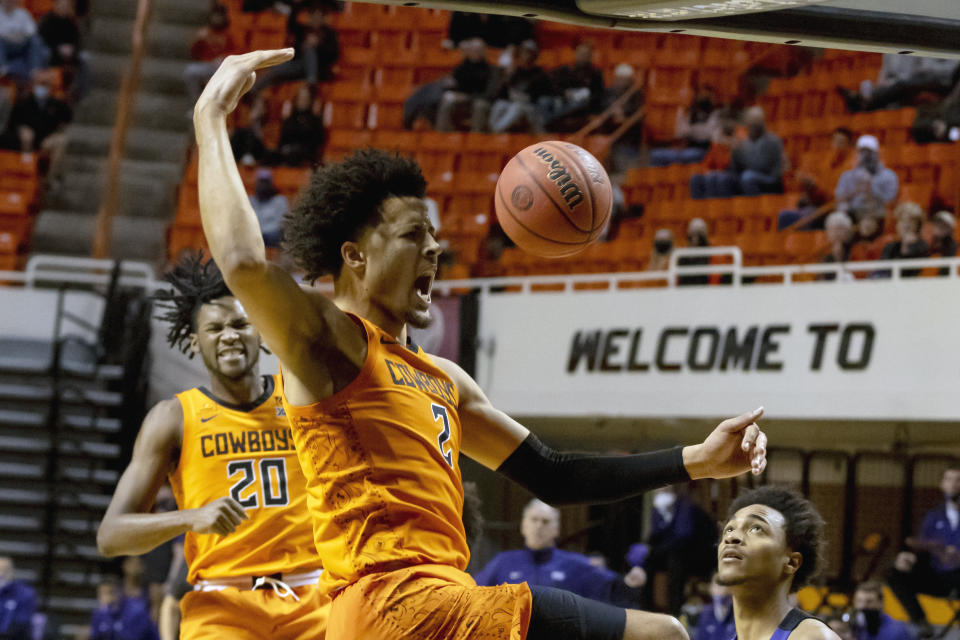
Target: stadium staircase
[156,143]
[62,407]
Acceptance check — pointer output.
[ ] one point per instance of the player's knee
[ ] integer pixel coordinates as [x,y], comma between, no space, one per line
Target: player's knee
[642,625]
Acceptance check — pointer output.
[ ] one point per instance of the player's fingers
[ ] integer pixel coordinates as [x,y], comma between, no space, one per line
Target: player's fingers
[237,508]
[749,436]
[232,518]
[269,57]
[760,467]
[732,425]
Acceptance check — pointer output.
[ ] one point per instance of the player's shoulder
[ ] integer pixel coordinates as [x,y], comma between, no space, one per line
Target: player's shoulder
[813,629]
[167,412]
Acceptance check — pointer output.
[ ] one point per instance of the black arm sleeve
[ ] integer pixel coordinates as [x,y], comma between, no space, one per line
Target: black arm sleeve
[573,478]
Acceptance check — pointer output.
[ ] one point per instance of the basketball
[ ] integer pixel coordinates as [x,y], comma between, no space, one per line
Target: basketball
[553,199]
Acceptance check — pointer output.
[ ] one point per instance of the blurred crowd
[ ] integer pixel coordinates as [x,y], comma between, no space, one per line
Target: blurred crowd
[43,74]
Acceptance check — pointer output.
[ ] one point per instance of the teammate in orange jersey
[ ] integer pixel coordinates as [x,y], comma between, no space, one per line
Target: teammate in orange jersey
[230,458]
[380,425]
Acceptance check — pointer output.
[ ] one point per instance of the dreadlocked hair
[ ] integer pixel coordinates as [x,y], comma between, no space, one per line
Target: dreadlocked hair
[195,282]
[340,201]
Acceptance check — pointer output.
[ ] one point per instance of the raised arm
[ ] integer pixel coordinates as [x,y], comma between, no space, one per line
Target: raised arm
[128,527]
[290,320]
[498,442]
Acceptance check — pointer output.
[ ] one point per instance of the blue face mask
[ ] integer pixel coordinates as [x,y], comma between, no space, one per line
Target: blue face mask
[41,92]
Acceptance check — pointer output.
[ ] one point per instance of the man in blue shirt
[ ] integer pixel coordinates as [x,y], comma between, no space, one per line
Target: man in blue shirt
[934,565]
[541,563]
[715,621]
[681,543]
[18,603]
[869,620]
[120,617]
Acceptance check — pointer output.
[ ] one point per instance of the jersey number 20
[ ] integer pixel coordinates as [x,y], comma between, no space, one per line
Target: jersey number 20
[273,482]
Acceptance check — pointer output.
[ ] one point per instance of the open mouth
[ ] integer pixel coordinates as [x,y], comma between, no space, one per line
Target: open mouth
[423,285]
[231,353]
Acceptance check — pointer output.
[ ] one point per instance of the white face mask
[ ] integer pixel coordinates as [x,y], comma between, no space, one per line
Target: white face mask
[41,92]
[663,501]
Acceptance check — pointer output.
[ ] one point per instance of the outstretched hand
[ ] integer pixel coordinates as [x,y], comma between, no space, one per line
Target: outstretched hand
[233,78]
[736,446]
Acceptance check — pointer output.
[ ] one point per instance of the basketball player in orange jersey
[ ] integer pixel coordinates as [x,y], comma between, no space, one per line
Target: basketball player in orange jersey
[230,457]
[380,425]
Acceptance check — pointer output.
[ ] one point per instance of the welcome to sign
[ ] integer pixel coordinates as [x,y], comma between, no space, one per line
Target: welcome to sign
[859,350]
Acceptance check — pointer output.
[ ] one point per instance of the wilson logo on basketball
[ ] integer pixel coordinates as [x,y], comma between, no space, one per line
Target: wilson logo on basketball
[570,190]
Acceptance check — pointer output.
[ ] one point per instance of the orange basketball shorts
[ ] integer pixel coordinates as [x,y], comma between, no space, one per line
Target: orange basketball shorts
[241,614]
[429,602]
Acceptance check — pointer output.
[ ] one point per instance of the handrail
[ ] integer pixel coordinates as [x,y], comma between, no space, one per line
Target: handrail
[602,117]
[125,104]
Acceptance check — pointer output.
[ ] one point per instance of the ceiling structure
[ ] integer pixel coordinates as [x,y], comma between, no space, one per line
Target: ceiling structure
[918,27]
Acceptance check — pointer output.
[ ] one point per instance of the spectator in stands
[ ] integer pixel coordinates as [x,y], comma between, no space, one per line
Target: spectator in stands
[302,135]
[840,625]
[909,244]
[662,248]
[942,242]
[499,32]
[38,123]
[22,52]
[580,91]
[870,239]
[715,621]
[19,604]
[932,566]
[523,94]
[867,188]
[869,622]
[681,543]
[471,84]
[541,563]
[756,164]
[901,79]
[270,206]
[696,237]
[840,235]
[211,44]
[316,45]
[247,139]
[61,34]
[625,152]
[6,107]
[120,617]
[812,179]
[696,126]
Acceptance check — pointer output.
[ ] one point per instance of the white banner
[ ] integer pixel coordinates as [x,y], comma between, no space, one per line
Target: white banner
[881,349]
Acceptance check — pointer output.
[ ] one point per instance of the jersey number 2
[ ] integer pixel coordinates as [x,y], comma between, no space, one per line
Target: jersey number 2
[273,480]
[440,413]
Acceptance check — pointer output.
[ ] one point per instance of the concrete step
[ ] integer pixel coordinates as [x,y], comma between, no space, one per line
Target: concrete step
[68,233]
[150,111]
[64,232]
[170,40]
[157,74]
[157,145]
[110,34]
[187,12]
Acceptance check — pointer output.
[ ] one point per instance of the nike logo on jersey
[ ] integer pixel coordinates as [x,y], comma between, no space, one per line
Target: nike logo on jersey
[210,418]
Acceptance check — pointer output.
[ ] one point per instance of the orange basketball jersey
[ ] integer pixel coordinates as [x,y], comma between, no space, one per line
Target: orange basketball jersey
[381,458]
[246,452]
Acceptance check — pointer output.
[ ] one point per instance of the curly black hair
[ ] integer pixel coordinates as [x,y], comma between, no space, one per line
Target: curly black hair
[804,527]
[195,282]
[340,201]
